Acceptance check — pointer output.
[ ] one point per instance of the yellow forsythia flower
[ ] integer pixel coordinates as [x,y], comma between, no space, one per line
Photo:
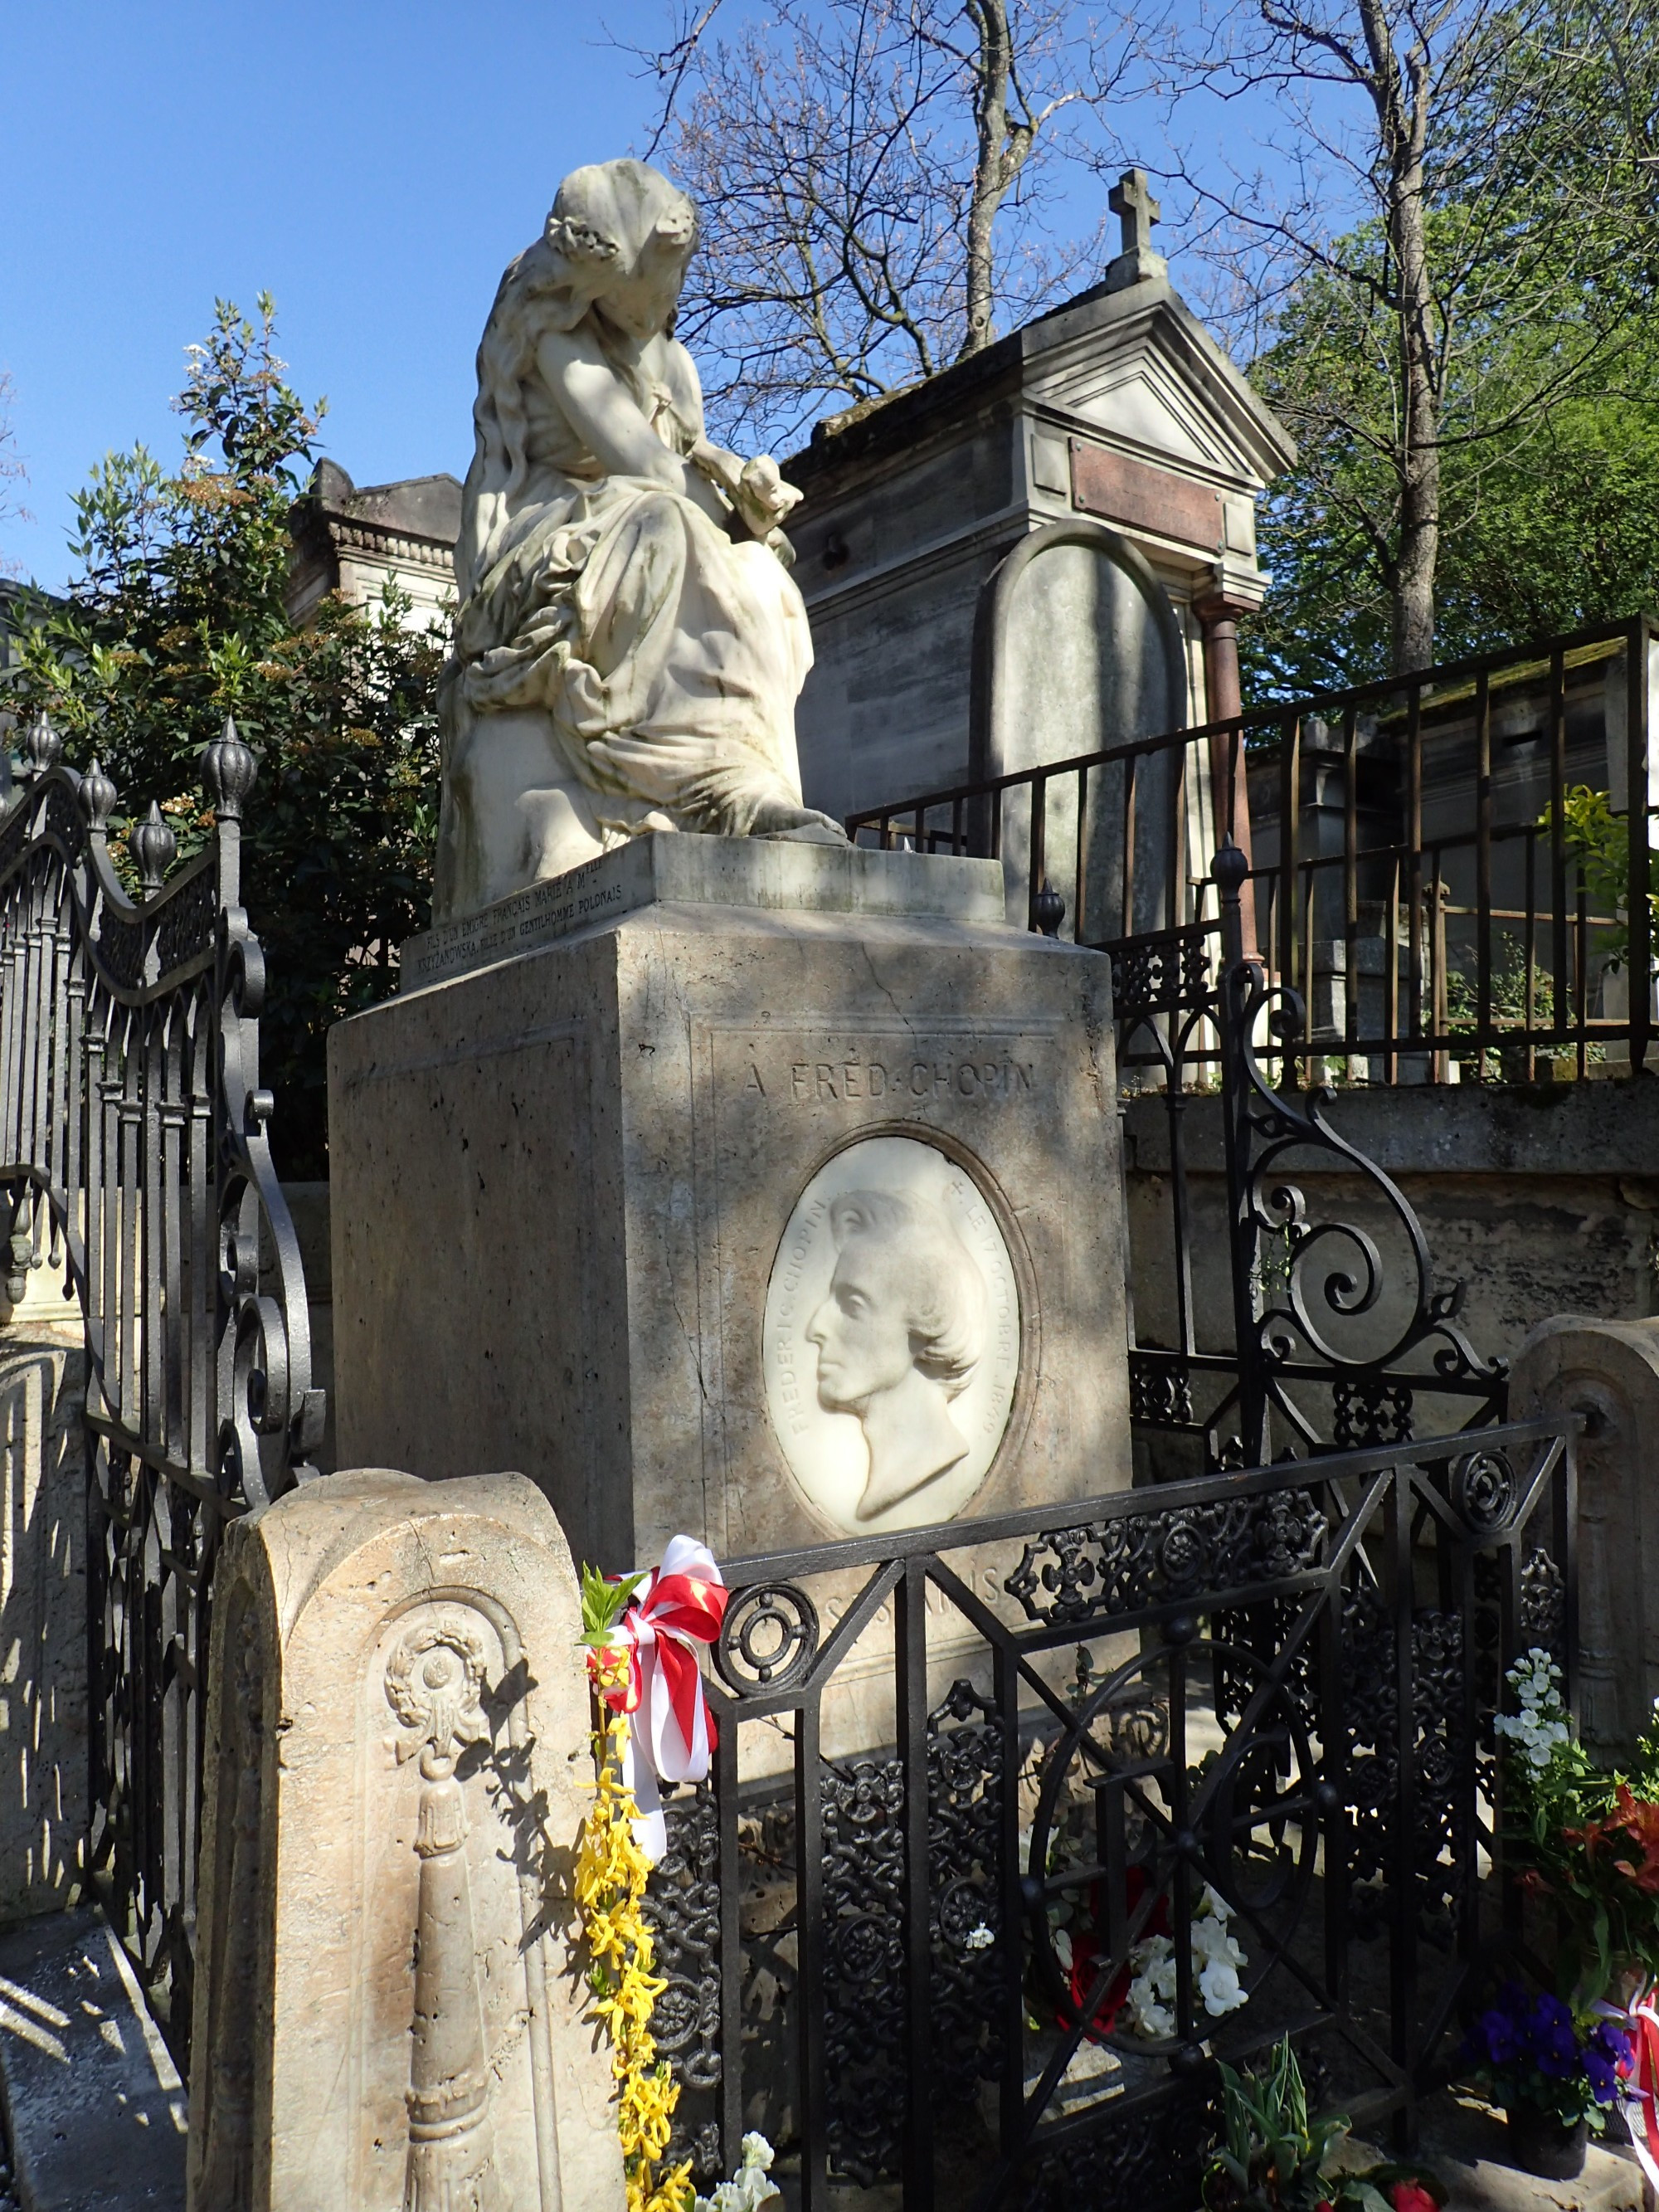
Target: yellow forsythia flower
[611,1872]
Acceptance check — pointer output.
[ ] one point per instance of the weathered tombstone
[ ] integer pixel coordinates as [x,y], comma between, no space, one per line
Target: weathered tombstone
[1608,1371]
[1077,649]
[388,2001]
[1117,406]
[43,1572]
[587,1199]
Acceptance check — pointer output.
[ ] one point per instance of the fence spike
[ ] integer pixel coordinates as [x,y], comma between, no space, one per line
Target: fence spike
[97,797]
[229,769]
[153,847]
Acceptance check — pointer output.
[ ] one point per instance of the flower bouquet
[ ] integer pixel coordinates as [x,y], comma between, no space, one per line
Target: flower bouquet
[1555,2076]
[1585,1838]
[1586,1841]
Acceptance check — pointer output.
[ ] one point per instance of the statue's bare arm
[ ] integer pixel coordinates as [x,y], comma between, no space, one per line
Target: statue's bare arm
[606,416]
[609,420]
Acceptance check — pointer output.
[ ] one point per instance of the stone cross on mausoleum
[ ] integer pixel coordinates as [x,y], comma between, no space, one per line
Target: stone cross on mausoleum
[1130,201]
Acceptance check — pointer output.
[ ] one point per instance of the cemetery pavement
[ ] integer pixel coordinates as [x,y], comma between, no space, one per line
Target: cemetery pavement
[93,2106]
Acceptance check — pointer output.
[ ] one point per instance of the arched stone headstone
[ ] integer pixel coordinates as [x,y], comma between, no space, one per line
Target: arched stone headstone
[1077,649]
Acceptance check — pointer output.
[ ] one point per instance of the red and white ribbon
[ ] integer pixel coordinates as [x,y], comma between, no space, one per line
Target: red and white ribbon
[673,1735]
[1641,2089]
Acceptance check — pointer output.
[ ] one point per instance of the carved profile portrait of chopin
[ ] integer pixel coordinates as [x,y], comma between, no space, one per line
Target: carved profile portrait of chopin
[898,1335]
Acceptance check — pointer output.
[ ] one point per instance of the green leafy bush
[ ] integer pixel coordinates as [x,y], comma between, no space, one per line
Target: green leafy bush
[176,618]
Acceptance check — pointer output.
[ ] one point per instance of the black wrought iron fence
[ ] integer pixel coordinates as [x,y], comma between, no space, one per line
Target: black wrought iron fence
[1416,868]
[1339,1334]
[1016,1825]
[134,1159]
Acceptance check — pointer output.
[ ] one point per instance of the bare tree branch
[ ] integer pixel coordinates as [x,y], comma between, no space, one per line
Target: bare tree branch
[875,180]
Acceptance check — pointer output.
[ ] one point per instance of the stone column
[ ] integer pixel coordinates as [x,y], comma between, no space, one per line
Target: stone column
[389,1994]
[1218,614]
[1608,1371]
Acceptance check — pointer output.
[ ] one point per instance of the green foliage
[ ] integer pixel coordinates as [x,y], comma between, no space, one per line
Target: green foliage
[1598,839]
[1549,500]
[1275,2158]
[176,619]
[602,1601]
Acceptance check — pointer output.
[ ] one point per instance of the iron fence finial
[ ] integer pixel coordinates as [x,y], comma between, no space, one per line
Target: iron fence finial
[153,847]
[97,796]
[42,744]
[228,770]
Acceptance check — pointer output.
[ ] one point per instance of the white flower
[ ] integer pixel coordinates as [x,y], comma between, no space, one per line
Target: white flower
[1218,1985]
[981,1938]
[1540,1726]
[1217,1958]
[752,2190]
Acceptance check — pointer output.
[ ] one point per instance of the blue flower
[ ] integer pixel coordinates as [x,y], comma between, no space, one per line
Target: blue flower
[1601,2074]
[1500,2036]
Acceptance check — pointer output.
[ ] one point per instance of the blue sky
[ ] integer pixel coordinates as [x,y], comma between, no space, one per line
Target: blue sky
[373,163]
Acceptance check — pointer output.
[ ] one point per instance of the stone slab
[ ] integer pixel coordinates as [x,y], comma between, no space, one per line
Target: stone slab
[570,1192]
[94,2107]
[1467,2143]
[770,874]
[391,1995]
[43,1637]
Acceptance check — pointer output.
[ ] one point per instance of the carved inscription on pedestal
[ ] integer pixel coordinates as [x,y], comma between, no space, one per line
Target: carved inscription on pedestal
[892,1336]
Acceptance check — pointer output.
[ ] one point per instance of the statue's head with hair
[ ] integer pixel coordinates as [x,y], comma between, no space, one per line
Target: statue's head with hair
[906,1294]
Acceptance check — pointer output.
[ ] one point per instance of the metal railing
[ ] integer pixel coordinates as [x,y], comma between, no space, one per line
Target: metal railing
[134,1161]
[1414,870]
[1260,1703]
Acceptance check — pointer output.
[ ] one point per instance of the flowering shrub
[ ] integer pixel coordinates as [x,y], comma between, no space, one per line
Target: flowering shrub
[1530,2050]
[611,1872]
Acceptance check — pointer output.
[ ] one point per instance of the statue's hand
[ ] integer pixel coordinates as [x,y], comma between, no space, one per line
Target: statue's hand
[763,498]
[755,486]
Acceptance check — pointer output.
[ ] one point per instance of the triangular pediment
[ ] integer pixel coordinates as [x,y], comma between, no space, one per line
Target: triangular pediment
[1146,374]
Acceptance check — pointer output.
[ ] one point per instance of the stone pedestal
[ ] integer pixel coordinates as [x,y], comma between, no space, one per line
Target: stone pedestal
[389,1996]
[767,1192]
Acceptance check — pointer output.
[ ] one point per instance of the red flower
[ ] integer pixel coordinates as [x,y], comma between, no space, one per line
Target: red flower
[1085,1953]
[1408,2197]
[1639,1819]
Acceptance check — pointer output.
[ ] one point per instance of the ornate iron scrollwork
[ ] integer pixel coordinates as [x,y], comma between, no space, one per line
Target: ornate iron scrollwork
[1310,1321]
[1118,1566]
[135,1147]
[768,1638]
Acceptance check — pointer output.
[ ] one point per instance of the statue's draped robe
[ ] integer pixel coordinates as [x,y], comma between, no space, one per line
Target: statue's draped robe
[667,657]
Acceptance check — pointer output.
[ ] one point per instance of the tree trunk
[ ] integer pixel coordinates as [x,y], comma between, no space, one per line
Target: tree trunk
[1419,443]
[1401,102]
[994,170]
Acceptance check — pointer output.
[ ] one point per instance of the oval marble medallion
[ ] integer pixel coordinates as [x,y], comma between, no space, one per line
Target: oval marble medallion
[892,1337]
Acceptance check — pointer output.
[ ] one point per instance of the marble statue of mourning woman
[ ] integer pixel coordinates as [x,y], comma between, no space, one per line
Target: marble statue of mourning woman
[629,646]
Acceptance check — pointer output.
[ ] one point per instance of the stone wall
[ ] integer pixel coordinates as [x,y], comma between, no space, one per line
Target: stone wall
[1540,1199]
